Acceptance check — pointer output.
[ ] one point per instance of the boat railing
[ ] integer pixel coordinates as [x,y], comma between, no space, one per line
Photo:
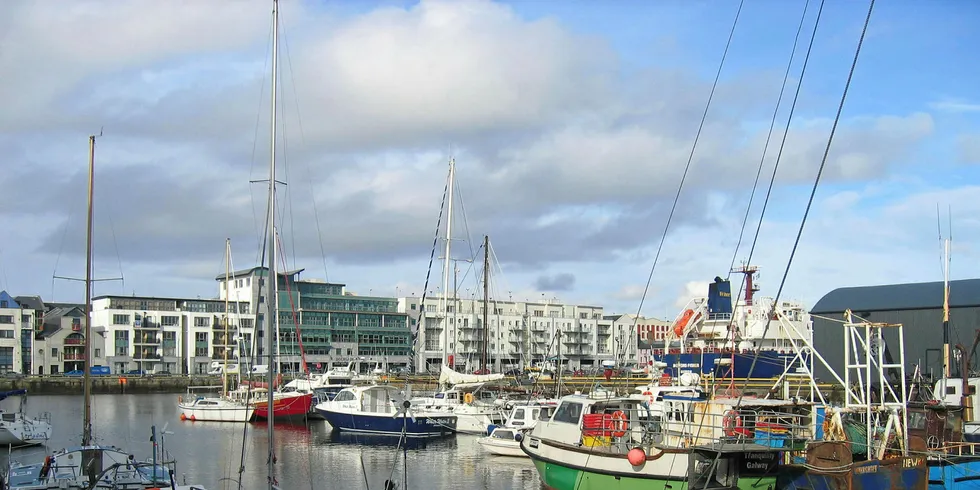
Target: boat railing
[956,448]
[752,429]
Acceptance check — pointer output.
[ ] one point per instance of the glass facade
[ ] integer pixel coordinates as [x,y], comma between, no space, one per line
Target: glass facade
[325,316]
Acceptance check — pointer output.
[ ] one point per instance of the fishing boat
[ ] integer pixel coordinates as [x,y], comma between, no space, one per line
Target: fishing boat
[375,409]
[506,439]
[598,442]
[19,429]
[92,465]
[285,405]
[714,337]
[866,444]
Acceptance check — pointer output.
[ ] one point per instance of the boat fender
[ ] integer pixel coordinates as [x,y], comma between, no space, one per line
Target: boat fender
[468,398]
[518,437]
[619,423]
[46,467]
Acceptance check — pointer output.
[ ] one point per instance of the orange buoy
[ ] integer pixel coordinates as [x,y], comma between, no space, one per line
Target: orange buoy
[682,322]
[183,417]
[193,418]
[636,456]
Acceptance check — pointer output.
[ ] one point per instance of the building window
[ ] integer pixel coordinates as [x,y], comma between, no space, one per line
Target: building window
[54,352]
[6,334]
[7,319]
[169,321]
[413,306]
[98,352]
[120,319]
[202,321]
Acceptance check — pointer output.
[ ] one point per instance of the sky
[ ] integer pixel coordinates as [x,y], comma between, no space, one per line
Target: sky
[570,123]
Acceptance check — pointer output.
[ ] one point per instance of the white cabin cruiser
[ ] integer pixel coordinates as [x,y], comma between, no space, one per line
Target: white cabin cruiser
[17,429]
[506,440]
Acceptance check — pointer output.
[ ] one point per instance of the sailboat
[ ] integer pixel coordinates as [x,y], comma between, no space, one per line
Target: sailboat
[18,429]
[234,406]
[90,465]
[291,404]
[459,392]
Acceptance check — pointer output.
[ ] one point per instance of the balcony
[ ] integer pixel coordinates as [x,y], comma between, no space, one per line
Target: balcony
[73,357]
[74,341]
[146,325]
[169,343]
[146,355]
[76,327]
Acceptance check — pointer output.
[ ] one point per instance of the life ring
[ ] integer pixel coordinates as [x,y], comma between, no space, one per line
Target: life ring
[468,398]
[732,424]
[618,423]
[682,322]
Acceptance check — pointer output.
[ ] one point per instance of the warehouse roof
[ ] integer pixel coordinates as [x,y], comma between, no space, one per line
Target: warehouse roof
[912,296]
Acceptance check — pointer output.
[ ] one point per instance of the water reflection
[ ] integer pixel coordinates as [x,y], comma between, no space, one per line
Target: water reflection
[308,456]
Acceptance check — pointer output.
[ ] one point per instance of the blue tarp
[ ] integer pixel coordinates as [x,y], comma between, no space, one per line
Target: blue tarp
[7,394]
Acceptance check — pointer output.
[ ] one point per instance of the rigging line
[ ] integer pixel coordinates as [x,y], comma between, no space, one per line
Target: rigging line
[789,120]
[112,229]
[255,140]
[428,272]
[61,249]
[285,170]
[680,186]
[772,125]
[765,150]
[816,181]
[309,174]
[466,224]
[687,167]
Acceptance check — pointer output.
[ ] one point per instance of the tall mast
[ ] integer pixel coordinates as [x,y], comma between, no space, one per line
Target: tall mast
[273,319]
[87,412]
[947,367]
[446,263]
[224,370]
[486,300]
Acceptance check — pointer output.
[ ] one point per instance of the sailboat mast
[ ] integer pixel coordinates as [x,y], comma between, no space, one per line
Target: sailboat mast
[224,370]
[446,263]
[87,413]
[486,300]
[946,349]
[273,319]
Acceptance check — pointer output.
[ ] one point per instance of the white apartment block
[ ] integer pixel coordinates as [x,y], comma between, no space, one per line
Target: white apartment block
[12,322]
[521,333]
[176,335]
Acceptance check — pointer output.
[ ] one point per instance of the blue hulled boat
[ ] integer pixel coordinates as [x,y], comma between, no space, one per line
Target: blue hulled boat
[375,410]
[747,338]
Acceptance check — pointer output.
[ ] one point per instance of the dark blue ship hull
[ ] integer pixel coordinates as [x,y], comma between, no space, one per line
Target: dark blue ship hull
[385,424]
[770,364]
[954,473]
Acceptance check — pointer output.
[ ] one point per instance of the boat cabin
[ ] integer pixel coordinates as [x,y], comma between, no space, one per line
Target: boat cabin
[366,399]
[527,416]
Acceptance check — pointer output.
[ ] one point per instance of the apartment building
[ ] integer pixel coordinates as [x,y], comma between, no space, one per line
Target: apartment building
[335,326]
[176,335]
[520,333]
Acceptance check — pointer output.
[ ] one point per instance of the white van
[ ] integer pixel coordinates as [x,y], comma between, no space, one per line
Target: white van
[218,368]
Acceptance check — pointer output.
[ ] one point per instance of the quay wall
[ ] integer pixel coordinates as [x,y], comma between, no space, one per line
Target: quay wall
[115,385]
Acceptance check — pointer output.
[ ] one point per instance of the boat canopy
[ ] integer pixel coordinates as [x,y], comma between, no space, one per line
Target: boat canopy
[450,377]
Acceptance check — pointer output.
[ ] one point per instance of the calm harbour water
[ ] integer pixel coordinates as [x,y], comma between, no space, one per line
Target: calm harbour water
[309,456]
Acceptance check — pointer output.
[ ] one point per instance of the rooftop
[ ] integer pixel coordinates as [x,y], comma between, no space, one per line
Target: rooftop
[249,272]
[911,296]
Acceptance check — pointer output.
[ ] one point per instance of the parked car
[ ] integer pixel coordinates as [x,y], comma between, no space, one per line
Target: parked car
[162,373]
[136,372]
[75,372]
[13,375]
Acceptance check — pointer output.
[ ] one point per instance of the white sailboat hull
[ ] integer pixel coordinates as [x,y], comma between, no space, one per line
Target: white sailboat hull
[215,410]
[24,432]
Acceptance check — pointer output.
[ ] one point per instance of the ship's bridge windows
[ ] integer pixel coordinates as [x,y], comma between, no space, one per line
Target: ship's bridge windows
[568,412]
[344,396]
